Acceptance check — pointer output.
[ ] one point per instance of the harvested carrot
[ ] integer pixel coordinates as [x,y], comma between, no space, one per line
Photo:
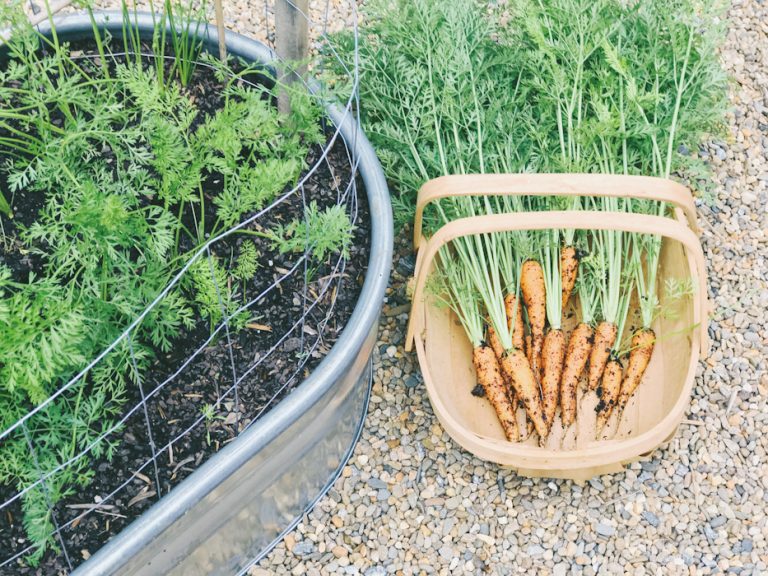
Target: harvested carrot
[608,392]
[640,356]
[534,295]
[490,378]
[569,270]
[552,357]
[515,366]
[605,336]
[498,348]
[579,346]
[515,320]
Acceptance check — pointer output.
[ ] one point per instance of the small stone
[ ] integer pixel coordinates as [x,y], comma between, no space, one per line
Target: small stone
[560,569]
[746,546]
[303,548]
[582,560]
[290,542]
[376,571]
[651,518]
[717,522]
[339,551]
[605,530]
[412,382]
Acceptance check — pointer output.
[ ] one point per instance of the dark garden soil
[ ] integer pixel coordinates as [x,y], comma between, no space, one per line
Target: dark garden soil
[267,359]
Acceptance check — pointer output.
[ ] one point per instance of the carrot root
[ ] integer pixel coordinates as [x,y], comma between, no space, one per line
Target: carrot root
[576,356]
[608,392]
[490,378]
[643,342]
[553,355]
[569,270]
[516,366]
[605,336]
[534,293]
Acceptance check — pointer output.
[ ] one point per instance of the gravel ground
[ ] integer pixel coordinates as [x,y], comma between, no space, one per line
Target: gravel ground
[411,501]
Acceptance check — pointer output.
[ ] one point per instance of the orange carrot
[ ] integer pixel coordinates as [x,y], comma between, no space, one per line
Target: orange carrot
[605,336]
[579,345]
[569,270]
[608,392]
[490,378]
[552,357]
[515,316]
[534,295]
[498,349]
[519,372]
[642,348]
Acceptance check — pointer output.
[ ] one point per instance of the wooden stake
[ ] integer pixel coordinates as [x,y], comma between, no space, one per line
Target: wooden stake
[220,29]
[291,42]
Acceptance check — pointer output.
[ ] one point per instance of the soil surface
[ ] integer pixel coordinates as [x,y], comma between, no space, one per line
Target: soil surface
[196,409]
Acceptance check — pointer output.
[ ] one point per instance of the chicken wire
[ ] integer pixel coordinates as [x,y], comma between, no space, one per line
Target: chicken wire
[67,519]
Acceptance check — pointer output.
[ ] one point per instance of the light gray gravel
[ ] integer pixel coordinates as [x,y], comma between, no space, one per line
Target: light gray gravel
[699,507]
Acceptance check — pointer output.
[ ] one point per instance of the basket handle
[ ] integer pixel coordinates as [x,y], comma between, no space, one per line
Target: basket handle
[600,185]
[577,219]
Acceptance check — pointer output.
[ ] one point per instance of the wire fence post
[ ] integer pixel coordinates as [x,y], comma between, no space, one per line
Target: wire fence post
[291,44]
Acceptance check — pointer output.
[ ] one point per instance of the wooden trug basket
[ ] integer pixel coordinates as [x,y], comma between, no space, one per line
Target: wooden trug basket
[445,354]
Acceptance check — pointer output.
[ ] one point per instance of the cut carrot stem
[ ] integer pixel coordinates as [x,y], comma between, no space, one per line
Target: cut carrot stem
[608,392]
[579,346]
[516,366]
[489,376]
[639,357]
[534,295]
[553,355]
[605,336]
[569,270]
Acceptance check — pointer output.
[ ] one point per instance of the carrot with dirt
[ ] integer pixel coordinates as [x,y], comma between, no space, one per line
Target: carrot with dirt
[608,392]
[569,269]
[569,257]
[486,268]
[646,248]
[510,263]
[453,286]
[579,346]
[610,386]
[609,248]
[553,348]
[643,341]
[534,295]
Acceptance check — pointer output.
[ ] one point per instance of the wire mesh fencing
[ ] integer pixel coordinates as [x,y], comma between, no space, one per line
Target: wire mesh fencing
[185,404]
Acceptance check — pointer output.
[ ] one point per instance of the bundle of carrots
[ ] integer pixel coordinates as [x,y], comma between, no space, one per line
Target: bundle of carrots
[510,291]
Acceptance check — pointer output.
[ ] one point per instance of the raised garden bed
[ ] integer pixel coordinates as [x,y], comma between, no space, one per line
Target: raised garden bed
[214,389]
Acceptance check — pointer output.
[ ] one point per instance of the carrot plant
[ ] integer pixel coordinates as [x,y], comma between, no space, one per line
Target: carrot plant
[126,178]
[549,86]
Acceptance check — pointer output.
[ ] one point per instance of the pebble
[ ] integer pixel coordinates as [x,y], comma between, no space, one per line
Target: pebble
[651,518]
[606,530]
